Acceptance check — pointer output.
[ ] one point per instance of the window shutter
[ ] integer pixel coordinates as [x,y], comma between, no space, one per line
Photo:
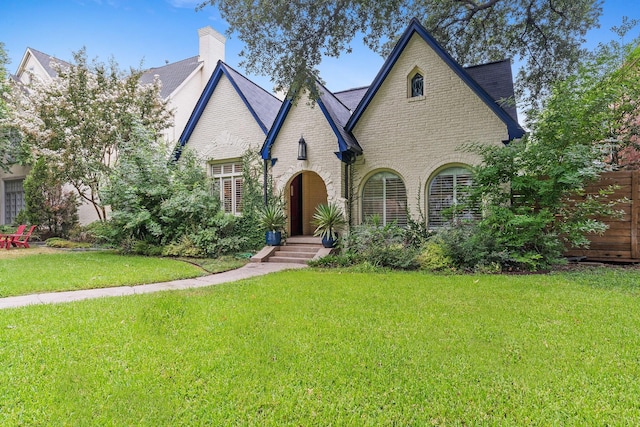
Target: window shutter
[447,189]
[395,201]
[227,195]
[372,198]
[385,195]
[238,195]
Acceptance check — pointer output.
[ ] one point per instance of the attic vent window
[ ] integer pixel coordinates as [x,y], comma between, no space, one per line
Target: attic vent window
[417,85]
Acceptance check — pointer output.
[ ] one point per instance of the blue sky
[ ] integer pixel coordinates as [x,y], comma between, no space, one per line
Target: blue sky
[158,30]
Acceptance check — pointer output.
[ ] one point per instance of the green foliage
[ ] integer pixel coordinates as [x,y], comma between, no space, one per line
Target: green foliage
[382,246]
[434,257]
[252,202]
[80,120]
[57,242]
[343,260]
[328,220]
[12,150]
[272,217]
[548,39]
[54,210]
[163,203]
[533,189]
[316,348]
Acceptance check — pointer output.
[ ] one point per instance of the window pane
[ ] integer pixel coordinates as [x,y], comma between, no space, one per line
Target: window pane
[238,195]
[446,191]
[228,184]
[440,198]
[14,199]
[396,201]
[372,198]
[385,196]
[417,85]
[227,195]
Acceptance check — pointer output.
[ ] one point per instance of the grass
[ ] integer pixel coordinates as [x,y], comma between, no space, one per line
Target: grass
[37,270]
[331,348]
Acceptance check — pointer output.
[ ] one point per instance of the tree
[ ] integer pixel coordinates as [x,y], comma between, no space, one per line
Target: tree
[10,147]
[157,203]
[533,189]
[287,40]
[47,203]
[80,120]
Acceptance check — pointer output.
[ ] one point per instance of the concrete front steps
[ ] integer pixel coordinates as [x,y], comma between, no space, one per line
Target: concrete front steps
[296,250]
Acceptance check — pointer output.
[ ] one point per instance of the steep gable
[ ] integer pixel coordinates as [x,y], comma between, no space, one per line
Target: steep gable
[262,105]
[335,112]
[415,28]
[43,60]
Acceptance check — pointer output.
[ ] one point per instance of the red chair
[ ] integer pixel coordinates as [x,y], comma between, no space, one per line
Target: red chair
[21,239]
[6,238]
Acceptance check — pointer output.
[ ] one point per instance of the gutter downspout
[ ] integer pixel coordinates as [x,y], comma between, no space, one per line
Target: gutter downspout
[264,186]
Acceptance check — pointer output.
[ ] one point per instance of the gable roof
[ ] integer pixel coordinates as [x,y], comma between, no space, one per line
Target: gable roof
[262,105]
[513,128]
[337,115]
[171,75]
[44,60]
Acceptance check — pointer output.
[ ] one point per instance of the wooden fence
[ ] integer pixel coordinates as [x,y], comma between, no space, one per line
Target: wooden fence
[620,241]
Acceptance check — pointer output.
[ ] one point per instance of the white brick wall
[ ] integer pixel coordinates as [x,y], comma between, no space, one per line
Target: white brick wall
[226,128]
[415,138]
[307,121]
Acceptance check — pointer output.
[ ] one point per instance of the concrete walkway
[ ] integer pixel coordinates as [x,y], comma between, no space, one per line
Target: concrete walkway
[249,270]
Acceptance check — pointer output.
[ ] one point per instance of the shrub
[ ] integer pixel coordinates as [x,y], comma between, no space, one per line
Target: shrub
[343,260]
[54,210]
[383,246]
[434,257]
[57,242]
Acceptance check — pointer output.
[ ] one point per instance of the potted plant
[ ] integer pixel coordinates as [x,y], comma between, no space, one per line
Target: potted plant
[328,220]
[273,220]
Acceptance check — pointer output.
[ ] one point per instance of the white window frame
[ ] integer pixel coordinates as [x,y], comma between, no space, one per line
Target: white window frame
[460,176]
[398,215]
[228,182]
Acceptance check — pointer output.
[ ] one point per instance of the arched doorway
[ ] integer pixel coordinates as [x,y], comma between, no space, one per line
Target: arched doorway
[306,191]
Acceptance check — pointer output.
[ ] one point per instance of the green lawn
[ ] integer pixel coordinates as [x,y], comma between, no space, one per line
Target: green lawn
[334,348]
[36,271]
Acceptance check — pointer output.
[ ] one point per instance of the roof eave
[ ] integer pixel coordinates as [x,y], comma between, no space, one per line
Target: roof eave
[514,129]
[265,151]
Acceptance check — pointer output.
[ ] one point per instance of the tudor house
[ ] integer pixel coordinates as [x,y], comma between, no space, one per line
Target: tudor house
[391,149]
[182,83]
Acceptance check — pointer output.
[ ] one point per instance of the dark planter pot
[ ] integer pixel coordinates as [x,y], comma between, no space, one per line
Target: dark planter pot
[273,238]
[329,242]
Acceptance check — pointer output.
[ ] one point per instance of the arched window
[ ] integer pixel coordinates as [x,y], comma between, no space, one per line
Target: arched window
[385,196]
[448,190]
[417,85]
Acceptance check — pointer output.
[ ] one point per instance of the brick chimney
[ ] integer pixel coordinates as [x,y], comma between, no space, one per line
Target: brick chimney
[211,49]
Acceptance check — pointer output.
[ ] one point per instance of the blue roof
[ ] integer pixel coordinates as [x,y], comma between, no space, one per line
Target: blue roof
[262,105]
[513,128]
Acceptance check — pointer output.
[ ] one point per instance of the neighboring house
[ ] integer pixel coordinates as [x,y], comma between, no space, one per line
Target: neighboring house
[391,149]
[182,84]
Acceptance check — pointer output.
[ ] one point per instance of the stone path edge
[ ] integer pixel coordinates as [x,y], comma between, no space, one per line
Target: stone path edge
[245,272]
